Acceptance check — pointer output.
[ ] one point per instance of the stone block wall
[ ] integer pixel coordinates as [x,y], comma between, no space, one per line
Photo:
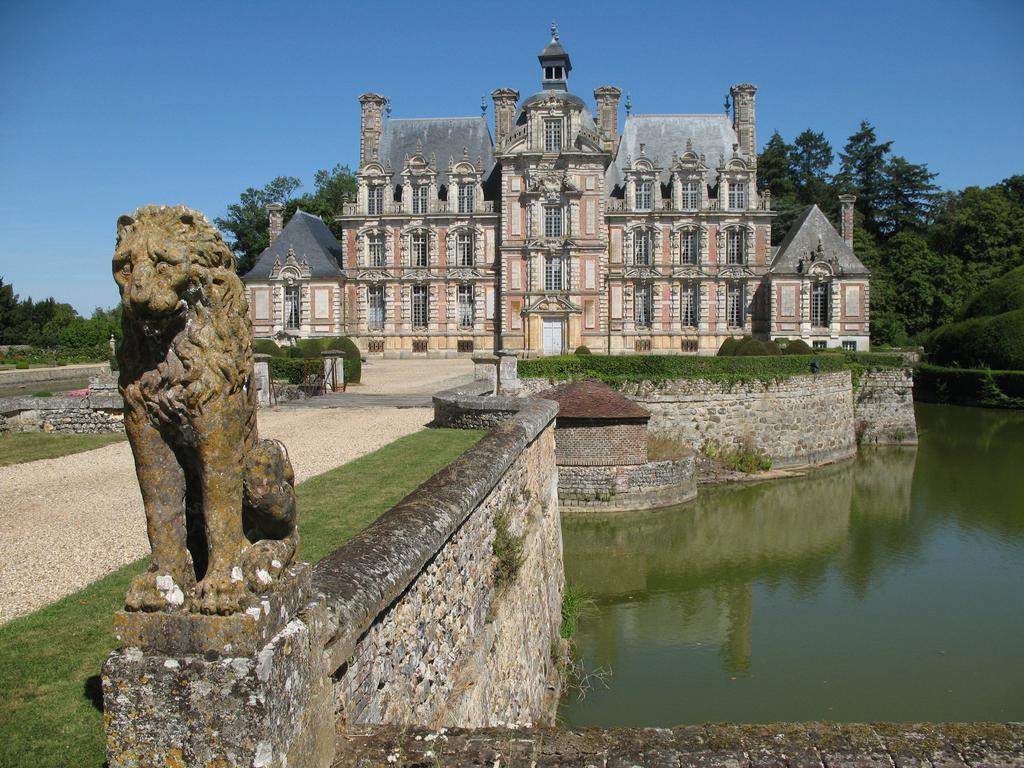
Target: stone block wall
[796,421]
[426,634]
[600,442]
[649,485]
[78,415]
[883,407]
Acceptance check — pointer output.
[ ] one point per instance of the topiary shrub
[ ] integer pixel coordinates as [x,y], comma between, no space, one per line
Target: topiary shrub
[1005,294]
[751,347]
[266,347]
[728,348]
[353,358]
[798,347]
[582,350]
[980,342]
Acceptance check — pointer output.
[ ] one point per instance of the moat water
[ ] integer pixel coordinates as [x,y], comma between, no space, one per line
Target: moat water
[888,587]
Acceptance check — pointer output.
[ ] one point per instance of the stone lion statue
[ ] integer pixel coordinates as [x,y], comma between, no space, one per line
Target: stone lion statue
[220,502]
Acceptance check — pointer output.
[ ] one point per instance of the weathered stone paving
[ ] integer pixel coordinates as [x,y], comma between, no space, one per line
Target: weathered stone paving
[784,745]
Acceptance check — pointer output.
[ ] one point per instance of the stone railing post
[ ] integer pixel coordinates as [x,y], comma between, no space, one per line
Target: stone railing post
[261,377]
[485,368]
[334,370]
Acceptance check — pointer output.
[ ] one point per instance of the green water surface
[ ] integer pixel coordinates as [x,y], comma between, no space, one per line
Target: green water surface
[888,587]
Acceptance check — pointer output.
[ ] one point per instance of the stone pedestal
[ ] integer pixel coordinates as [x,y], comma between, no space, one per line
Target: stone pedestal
[249,689]
[261,377]
[508,372]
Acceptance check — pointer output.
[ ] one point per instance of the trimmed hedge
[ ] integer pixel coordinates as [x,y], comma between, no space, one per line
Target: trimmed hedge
[1005,294]
[266,347]
[969,386]
[634,368]
[294,370]
[798,347]
[728,348]
[994,342]
[583,350]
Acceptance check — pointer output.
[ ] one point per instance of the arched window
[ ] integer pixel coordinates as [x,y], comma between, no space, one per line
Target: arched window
[643,247]
[418,243]
[643,305]
[689,246]
[820,303]
[735,247]
[375,249]
[375,307]
[465,247]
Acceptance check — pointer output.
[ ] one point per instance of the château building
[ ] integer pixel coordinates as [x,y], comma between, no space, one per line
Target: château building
[560,231]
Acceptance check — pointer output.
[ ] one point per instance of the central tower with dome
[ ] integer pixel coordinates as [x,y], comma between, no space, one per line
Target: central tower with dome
[553,162]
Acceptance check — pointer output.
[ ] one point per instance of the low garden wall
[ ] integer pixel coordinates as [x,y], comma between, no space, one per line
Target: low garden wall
[448,607]
[94,413]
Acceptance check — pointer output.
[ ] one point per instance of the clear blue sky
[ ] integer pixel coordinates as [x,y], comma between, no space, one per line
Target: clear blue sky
[106,106]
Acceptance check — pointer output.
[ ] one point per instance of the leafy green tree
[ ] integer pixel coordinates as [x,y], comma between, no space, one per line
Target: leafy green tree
[246,225]
[927,290]
[775,173]
[331,189]
[810,161]
[908,195]
[862,170]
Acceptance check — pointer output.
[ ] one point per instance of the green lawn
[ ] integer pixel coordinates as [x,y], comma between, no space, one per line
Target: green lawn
[50,660]
[20,447]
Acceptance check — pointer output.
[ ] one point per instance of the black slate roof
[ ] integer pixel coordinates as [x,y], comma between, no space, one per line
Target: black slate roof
[310,239]
[443,137]
[801,243]
[710,135]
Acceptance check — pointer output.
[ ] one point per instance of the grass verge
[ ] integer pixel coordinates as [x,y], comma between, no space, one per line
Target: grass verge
[20,447]
[50,660]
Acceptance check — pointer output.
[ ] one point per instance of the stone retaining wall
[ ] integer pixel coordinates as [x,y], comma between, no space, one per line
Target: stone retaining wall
[629,487]
[426,633]
[796,745]
[811,419]
[883,407]
[468,407]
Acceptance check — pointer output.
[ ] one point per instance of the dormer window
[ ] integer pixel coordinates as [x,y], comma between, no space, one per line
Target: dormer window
[419,199]
[737,195]
[691,196]
[553,134]
[644,194]
[466,198]
[375,201]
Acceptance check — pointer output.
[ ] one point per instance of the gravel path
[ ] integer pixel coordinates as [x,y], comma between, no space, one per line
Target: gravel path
[65,522]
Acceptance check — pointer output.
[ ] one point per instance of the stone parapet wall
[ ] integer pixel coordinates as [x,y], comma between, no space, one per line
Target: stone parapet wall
[796,745]
[649,485]
[883,407]
[471,407]
[425,632]
[599,442]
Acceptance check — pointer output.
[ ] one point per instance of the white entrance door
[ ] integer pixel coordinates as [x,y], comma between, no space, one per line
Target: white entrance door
[552,336]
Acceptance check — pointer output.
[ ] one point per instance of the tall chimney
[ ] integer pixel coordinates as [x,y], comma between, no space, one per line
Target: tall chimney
[371,126]
[276,213]
[607,97]
[743,120]
[505,100]
[846,206]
